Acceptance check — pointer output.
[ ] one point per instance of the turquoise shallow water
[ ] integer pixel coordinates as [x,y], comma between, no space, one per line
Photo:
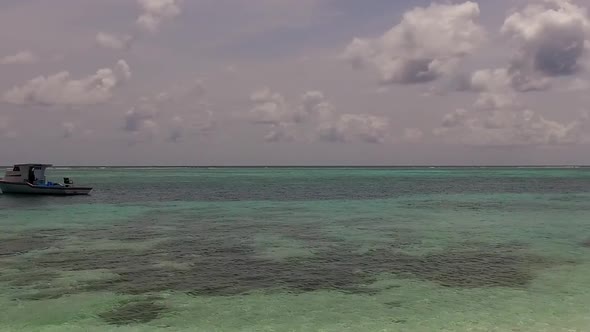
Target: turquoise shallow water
[300,249]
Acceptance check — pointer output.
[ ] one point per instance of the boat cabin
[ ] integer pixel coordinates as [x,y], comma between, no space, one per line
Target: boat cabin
[30,179]
[29,173]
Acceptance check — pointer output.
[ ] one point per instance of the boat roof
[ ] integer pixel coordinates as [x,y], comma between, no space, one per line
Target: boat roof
[29,165]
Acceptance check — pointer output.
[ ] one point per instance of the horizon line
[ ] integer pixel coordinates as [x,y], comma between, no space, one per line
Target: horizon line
[330,166]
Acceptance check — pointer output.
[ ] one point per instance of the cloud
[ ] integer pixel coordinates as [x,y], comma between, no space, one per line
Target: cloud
[3,126]
[509,127]
[455,119]
[62,90]
[20,58]
[552,38]
[282,132]
[514,128]
[177,129]
[180,95]
[313,118]
[427,44]
[497,118]
[113,41]
[272,109]
[269,108]
[314,104]
[5,130]
[137,117]
[177,112]
[355,127]
[413,135]
[140,123]
[578,85]
[548,36]
[192,124]
[154,12]
[68,129]
[494,87]
[490,80]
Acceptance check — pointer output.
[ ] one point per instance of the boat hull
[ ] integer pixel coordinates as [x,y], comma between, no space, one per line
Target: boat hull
[27,188]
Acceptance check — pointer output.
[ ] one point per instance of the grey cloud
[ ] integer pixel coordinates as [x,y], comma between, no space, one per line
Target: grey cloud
[355,127]
[523,81]
[140,123]
[314,118]
[138,118]
[282,132]
[175,113]
[314,104]
[491,101]
[510,127]
[3,126]
[269,108]
[498,119]
[5,130]
[154,12]
[506,79]
[68,129]
[272,110]
[20,58]
[61,89]
[490,80]
[331,134]
[559,56]
[413,135]
[495,88]
[117,42]
[578,85]
[551,39]
[194,124]
[414,71]
[455,119]
[177,129]
[427,44]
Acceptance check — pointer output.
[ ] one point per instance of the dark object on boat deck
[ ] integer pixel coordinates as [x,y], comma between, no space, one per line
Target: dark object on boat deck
[30,179]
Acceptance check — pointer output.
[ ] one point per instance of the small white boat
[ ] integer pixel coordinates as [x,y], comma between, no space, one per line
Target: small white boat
[30,179]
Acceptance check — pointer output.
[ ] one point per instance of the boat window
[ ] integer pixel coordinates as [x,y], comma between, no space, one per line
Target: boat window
[16,169]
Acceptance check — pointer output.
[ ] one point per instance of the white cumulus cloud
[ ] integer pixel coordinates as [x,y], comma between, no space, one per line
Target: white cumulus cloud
[427,44]
[62,89]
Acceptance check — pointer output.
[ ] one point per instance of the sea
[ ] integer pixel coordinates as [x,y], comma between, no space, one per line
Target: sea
[300,249]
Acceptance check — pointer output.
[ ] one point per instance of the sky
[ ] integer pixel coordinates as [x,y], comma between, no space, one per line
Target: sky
[295,82]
